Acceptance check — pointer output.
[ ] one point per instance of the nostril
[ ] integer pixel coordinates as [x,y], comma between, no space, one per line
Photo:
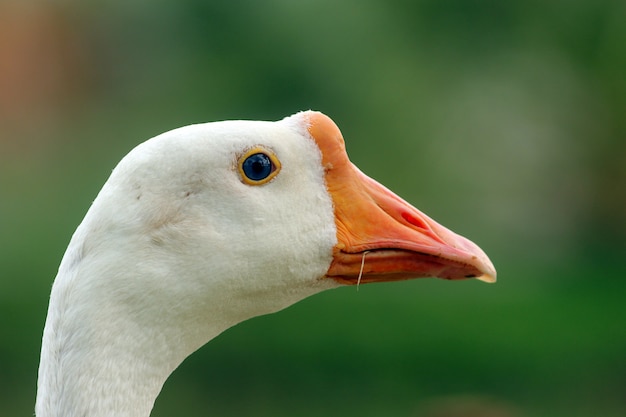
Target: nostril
[415,221]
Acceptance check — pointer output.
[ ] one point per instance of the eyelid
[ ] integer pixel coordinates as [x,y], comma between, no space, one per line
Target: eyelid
[276,165]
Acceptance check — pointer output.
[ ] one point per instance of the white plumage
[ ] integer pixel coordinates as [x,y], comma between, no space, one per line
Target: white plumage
[180,245]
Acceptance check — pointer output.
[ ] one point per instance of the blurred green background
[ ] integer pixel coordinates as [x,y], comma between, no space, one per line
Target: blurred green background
[505,121]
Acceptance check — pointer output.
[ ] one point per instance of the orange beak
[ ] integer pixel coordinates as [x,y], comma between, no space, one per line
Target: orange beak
[381,237]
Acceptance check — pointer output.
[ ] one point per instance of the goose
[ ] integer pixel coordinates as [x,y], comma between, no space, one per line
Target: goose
[207,225]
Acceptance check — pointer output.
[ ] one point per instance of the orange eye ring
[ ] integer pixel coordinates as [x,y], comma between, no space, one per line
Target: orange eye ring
[258,166]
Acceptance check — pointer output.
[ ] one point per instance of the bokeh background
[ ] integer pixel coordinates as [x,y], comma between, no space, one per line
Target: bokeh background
[505,121]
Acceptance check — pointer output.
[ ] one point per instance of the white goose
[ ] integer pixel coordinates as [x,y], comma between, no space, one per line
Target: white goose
[208,225]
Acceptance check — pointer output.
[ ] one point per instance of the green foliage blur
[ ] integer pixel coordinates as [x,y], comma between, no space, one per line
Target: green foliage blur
[505,121]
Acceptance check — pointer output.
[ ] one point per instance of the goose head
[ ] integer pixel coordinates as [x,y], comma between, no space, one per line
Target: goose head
[207,225]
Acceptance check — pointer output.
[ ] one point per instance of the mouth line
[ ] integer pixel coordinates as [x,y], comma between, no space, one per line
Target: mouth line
[407,264]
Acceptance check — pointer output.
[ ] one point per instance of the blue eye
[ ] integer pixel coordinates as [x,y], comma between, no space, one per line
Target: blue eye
[257,167]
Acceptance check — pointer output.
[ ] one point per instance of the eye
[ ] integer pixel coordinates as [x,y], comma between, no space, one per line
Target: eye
[258,166]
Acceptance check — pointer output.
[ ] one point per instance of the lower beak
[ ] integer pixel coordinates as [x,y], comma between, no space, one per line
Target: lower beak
[381,237]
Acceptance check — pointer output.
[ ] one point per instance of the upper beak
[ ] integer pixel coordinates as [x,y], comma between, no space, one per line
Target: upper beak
[381,237]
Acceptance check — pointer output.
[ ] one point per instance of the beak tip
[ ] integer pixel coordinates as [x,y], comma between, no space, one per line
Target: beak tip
[486,267]
[481,261]
[488,278]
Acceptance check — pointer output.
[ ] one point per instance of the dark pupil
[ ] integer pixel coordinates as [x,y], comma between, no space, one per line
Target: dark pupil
[257,166]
